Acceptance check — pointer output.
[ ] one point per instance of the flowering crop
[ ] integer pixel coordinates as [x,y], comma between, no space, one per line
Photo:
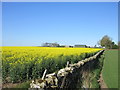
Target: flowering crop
[25,63]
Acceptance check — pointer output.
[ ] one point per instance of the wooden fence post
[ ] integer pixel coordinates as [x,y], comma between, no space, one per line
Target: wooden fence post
[44,74]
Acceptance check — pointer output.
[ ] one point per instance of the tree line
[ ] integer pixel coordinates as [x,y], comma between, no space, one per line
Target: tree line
[107,42]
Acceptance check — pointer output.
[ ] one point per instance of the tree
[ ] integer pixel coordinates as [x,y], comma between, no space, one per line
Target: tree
[106,42]
[115,46]
[119,44]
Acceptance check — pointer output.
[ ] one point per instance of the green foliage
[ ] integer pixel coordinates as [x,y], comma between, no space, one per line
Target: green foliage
[108,43]
[96,73]
[24,85]
[115,46]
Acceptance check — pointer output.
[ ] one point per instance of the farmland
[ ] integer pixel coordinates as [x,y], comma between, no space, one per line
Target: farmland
[25,63]
[110,69]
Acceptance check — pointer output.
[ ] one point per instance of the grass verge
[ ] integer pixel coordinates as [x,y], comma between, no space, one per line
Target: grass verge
[110,68]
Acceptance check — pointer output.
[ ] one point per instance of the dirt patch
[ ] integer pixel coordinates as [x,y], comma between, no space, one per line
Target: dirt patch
[102,83]
[10,85]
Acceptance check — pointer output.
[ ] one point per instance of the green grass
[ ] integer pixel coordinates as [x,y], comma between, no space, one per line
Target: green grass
[24,85]
[110,68]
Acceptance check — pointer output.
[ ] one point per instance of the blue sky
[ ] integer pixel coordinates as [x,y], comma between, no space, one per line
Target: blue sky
[31,24]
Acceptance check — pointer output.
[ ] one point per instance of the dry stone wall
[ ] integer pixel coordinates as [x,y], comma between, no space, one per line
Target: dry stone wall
[67,77]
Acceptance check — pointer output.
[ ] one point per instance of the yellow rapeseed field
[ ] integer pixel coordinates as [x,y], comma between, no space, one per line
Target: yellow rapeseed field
[25,63]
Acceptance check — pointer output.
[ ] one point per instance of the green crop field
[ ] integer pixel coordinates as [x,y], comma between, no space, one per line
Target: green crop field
[110,68]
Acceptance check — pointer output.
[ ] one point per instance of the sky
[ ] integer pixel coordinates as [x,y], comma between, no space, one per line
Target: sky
[67,23]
